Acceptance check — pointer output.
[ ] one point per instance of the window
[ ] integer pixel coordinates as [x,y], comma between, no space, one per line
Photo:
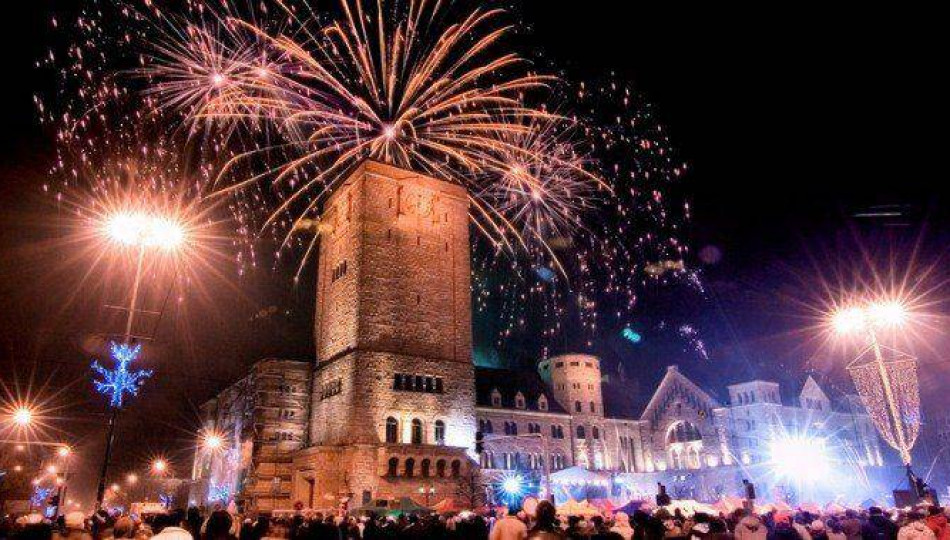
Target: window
[594,432]
[553,431]
[519,400]
[392,430]
[417,383]
[580,432]
[542,403]
[456,468]
[577,406]
[393,468]
[416,431]
[593,407]
[439,432]
[424,468]
[495,398]
[410,468]
[331,389]
[440,468]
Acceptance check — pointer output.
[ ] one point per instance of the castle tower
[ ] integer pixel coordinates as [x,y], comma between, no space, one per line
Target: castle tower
[393,336]
[575,380]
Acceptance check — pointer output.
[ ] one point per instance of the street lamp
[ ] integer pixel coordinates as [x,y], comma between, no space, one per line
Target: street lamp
[159,466]
[888,388]
[142,231]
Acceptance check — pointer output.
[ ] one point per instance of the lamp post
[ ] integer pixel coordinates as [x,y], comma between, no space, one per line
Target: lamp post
[143,232]
[896,425]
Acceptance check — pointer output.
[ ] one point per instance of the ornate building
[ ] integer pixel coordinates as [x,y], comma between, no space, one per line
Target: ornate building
[394,400]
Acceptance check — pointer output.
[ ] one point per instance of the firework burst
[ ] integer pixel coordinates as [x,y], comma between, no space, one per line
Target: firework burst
[381,82]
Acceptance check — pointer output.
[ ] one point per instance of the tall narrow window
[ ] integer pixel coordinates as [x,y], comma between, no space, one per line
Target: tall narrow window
[410,468]
[439,432]
[424,468]
[393,469]
[456,468]
[416,431]
[440,468]
[581,434]
[392,430]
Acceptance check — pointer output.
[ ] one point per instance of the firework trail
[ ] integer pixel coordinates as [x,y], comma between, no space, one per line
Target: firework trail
[273,106]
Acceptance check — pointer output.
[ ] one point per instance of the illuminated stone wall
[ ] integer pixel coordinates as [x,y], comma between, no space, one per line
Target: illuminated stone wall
[392,332]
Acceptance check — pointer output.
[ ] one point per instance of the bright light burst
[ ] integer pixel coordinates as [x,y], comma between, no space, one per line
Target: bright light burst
[140,229]
[22,416]
[799,457]
[119,381]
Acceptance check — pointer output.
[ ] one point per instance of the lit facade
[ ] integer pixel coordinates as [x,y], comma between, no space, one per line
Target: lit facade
[393,402]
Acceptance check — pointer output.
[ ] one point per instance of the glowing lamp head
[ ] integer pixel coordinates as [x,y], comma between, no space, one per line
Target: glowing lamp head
[22,416]
[131,478]
[887,313]
[18,468]
[849,320]
[881,314]
[114,488]
[138,229]
[159,466]
[51,469]
[63,451]
[212,442]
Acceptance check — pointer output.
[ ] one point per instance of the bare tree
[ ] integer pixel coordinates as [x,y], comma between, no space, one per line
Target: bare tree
[470,490]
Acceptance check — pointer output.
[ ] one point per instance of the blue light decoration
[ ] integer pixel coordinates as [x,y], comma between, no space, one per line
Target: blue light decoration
[40,495]
[631,335]
[117,382]
[166,500]
[218,493]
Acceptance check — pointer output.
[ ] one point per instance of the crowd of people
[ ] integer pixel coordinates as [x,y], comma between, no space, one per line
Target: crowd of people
[924,523]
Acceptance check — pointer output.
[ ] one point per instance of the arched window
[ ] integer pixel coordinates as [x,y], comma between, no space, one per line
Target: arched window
[581,434]
[560,432]
[595,432]
[553,431]
[519,400]
[416,431]
[410,468]
[440,468]
[542,403]
[593,407]
[393,469]
[439,432]
[456,468]
[392,430]
[577,406]
[682,432]
[424,468]
[488,427]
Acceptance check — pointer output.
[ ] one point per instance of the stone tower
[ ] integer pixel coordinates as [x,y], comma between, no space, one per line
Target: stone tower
[575,380]
[393,336]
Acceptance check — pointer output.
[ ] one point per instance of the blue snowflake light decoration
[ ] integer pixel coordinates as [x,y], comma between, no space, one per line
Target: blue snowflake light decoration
[166,500]
[117,382]
[40,495]
[218,493]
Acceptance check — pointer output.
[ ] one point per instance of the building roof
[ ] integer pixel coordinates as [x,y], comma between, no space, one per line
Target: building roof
[509,382]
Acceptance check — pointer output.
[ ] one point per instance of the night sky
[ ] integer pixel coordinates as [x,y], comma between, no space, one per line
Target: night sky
[792,122]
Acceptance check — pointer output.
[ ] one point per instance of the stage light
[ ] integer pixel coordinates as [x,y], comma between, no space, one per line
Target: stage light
[799,457]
